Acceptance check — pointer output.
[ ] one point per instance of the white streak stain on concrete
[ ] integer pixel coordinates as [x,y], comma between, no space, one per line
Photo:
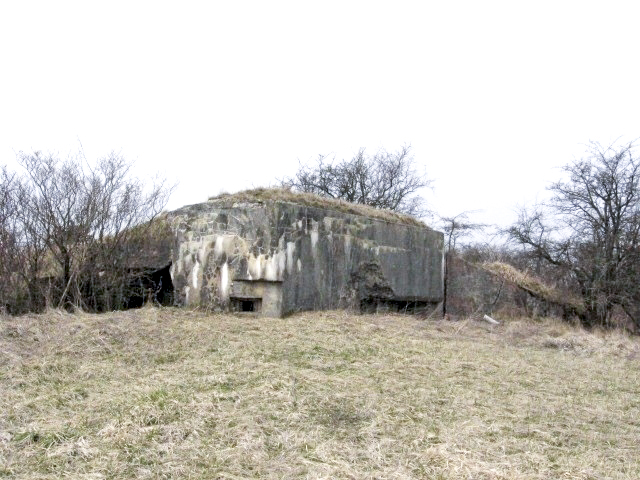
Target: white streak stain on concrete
[177,266]
[282,262]
[202,252]
[271,269]
[314,236]
[299,265]
[194,274]
[291,248]
[224,280]
[254,267]
[218,247]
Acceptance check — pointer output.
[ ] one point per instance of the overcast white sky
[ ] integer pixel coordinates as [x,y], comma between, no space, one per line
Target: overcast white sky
[220,96]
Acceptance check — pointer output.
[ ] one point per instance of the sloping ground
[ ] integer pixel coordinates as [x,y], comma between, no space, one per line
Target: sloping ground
[499,288]
[164,393]
[535,286]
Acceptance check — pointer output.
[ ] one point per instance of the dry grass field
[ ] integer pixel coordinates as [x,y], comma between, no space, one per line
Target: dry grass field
[165,393]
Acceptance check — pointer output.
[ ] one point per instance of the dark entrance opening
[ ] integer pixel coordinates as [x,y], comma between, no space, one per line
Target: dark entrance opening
[248,305]
[154,285]
[380,305]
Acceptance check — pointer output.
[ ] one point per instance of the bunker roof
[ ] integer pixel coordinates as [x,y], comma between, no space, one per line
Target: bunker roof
[281,195]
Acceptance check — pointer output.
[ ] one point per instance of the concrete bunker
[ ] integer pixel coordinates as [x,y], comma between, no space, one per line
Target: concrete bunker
[273,252]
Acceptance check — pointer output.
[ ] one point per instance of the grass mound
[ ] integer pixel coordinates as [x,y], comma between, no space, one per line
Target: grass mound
[262,195]
[163,393]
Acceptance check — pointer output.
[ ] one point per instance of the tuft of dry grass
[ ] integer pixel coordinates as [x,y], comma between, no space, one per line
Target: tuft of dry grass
[167,393]
[283,195]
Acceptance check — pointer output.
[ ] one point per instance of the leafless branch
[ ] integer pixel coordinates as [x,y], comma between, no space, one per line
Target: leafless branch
[386,180]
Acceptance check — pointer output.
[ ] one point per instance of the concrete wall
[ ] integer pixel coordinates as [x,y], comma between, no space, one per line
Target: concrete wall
[474,290]
[296,257]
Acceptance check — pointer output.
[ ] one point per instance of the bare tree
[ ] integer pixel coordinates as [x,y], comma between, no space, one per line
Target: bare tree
[591,230]
[21,250]
[76,225]
[455,228]
[9,238]
[386,180]
[459,226]
[123,209]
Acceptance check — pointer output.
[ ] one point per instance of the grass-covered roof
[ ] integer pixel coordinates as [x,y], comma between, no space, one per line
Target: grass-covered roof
[281,195]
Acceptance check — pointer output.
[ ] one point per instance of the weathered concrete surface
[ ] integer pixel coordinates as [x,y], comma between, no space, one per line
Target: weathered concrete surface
[289,257]
[474,290]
